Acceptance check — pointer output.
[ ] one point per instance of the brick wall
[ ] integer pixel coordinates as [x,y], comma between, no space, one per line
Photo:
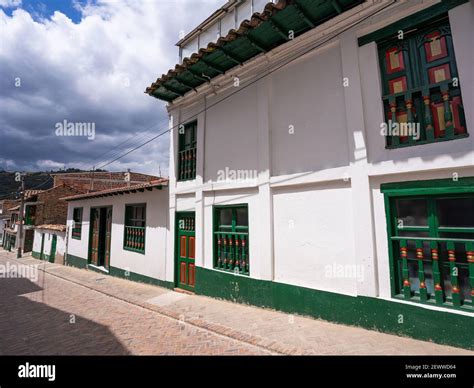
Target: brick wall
[51,209]
[97,181]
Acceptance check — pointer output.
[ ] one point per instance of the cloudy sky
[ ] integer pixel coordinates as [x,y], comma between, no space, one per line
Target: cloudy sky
[87,61]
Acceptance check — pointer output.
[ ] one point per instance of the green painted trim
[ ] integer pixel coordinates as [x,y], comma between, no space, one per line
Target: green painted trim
[370,313]
[79,262]
[423,142]
[234,230]
[36,255]
[76,261]
[187,171]
[428,190]
[178,233]
[121,273]
[128,208]
[408,22]
[433,186]
[77,216]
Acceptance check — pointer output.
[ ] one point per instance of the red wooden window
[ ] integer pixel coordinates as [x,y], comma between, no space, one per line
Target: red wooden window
[421,86]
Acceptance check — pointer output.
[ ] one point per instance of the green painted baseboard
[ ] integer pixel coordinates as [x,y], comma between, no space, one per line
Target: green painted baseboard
[371,313]
[76,261]
[37,255]
[79,262]
[120,273]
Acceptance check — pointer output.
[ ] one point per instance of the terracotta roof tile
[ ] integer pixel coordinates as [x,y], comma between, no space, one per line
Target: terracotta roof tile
[255,20]
[157,183]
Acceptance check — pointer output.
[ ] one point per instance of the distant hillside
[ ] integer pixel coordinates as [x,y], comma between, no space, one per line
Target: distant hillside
[9,188]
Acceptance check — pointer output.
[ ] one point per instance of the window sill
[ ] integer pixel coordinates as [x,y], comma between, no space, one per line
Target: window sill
[246,274]
[431,302]
[134,250]
[439,140]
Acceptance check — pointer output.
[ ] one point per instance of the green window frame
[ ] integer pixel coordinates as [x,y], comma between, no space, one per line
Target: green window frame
[135,228]
[30,215]
[231,239]
[420,84]
[77,223]
[187,151]
[430,231]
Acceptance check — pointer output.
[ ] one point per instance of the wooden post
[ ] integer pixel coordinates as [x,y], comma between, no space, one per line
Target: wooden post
[453,274]
[405,271]
[438,288]
[470,262]
[429,130]
[421,271]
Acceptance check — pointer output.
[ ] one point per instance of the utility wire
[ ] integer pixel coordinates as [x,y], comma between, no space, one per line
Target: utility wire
[5,196]
[133,143]
[282,64]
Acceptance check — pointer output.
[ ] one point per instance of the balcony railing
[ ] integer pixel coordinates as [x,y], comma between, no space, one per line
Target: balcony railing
[436,270]
[187,164]
[437,108]
[232,252]
[134,239]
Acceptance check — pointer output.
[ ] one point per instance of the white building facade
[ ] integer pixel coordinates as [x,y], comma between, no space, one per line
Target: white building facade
[122,232]
[286,190]
[50,243]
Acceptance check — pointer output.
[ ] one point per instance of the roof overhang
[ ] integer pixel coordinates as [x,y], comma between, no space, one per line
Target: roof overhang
[262,33]
[119,191]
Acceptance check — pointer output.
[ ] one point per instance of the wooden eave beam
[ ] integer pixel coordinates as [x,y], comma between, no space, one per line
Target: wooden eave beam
[279,29]
[230,56]
[304,15]
[255,44]
[211,66]
[184,83]
[172,90]
[336,6]
[200,77]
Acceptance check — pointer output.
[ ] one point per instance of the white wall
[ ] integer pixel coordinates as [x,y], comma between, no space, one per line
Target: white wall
[308,95]
[313,236]
[325,178]
[231,134]
[153,262]
[48,241]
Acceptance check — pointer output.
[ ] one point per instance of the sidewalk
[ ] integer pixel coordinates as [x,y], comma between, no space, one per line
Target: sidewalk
[273,331]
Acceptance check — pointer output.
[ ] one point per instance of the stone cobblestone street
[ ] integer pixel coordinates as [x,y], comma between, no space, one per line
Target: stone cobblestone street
[69,311]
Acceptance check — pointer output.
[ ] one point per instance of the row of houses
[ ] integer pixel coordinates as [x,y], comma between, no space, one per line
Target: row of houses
[45,212]
[321,163]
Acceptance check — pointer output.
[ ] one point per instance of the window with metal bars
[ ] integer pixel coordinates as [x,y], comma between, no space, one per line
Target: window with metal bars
[421,86]
[432,248]
[187,150]
[135,228]
[77,223]
[231,238]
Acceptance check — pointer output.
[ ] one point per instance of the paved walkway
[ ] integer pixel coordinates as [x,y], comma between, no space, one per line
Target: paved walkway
[74,311]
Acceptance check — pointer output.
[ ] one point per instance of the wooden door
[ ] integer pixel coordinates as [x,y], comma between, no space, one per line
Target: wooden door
[108,236]
[186,249]
[95,235]
[52,255]
[29,237]
[42,247]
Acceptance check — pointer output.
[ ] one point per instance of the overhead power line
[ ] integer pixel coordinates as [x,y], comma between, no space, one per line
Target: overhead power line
[258,78]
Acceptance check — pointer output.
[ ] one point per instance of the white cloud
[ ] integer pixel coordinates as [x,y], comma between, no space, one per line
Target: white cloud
[10,3]
[92,71]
